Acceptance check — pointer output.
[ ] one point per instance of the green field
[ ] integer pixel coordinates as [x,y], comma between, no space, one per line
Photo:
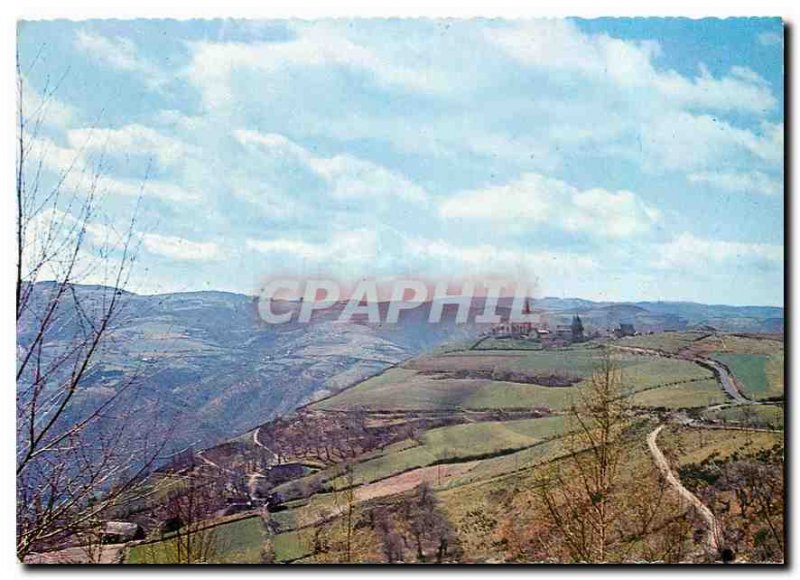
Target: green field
[749,370]
[692,445]
[762,416]
[507,344]
[288,546]
[239,542]
[323,505]
[664,341]
[579,360]
[505,464]
[683,396]
[424,384]
[459,442]
[492,436]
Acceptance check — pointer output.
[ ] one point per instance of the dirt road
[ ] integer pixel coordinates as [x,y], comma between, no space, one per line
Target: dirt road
[727,381]
[721,371]
[274,459]
[714,534]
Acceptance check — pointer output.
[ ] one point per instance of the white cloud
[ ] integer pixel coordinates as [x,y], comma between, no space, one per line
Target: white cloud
[76,173]
[487,260]
[690,252]
[120,54]
[275,144]
[528,199]
[129,140]
[560,46]
[181,249]
[347,176]
[343,247]
[41,150]
[353,178]
[299,248]
[54,249]
[315,45]
[690,142]
[147,188]
[539,200]
[44,108]
[743,181]
[599,95]
[361,101]
[618,214]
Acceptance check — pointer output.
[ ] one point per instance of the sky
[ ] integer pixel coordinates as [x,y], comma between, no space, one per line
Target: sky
[610,159]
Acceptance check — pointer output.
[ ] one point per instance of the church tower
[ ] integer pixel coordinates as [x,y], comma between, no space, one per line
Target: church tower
[577,329]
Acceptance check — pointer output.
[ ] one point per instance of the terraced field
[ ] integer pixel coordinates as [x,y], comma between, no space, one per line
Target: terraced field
[751,373]
[460,457]
[463,443]
[756,362]
[289,546]
[239,542]
[427,383]
[694,445]
[322,506]
[690,395]
[478,508]
[481,459]
[507,344]
[671,342]
[762,416]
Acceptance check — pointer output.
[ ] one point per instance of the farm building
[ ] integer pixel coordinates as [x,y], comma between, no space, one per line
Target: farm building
[119,532]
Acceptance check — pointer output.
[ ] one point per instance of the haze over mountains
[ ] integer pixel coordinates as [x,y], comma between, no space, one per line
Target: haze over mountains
[212,369]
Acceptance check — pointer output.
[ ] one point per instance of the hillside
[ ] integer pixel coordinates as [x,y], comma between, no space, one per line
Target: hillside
[211,368]
[481,431]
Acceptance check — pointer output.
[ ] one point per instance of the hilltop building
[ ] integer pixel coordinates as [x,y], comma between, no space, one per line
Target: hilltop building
[511,329]
[624,329]
[572,332]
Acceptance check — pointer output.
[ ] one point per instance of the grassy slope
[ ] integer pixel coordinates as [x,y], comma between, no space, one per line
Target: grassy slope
[459,442]
[289,546]
[409,389]
[686,385]
[238,542]
[756,363]
[507,344]
[664,341]
[764,416]
[477,508]
[693,445]
[683,396]
[750,371]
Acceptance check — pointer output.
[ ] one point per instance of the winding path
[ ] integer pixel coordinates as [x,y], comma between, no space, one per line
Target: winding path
[714,531]
[720,371]
[727,381]
[274,461]
[252,480]
[210,463]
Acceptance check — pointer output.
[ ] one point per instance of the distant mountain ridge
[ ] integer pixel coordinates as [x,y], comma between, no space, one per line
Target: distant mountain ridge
[214,369]
[660,316]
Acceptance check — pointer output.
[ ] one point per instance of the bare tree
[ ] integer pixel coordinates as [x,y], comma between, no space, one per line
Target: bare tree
[349,493]
[81,447]
[188,537]
[428,524]
[579,494]
[392,541]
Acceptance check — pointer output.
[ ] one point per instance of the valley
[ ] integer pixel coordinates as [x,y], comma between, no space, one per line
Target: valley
[475,436]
